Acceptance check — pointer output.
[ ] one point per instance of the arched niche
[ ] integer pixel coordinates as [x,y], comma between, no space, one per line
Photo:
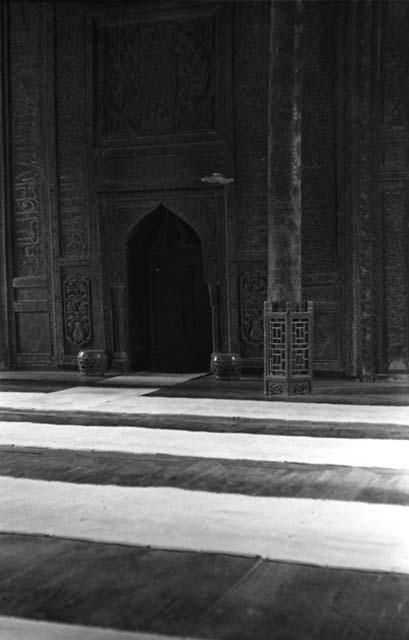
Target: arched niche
[169,314]
[120,220]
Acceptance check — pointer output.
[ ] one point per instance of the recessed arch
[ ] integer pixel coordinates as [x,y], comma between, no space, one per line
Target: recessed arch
[169,327]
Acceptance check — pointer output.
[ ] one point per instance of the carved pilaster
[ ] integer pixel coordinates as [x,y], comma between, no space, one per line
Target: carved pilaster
[394,250]
[362,201]
[32,335]
[72,130]
[26,150]
[367,192]
[4,189]
[119,326]
[396,301]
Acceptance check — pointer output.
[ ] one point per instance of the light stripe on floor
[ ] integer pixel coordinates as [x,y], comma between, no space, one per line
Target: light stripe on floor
[149,379]
[386,454]
[329,533]
[126,401]
[20,629]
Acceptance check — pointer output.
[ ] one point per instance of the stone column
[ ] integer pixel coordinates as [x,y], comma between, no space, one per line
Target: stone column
[284,153]
[288,323]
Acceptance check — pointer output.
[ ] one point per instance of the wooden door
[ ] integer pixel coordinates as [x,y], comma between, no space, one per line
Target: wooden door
[169,307]
[180,310]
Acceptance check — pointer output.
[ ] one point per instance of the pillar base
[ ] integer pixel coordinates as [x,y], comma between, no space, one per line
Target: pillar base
[288,353]
[287,388]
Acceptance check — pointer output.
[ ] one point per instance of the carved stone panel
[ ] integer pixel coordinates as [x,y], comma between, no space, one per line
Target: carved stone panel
[396,58]
[33,333]
[252,222]
[77,311]
[395,207]
[251,38]
[328,328]
[155,76]
[72,131]
[25,73]
[327,336]
[29,261]
[252,294]
[319,209]
[25,95]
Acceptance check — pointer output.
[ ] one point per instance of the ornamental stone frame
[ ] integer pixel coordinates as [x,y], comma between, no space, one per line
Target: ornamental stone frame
[119,215]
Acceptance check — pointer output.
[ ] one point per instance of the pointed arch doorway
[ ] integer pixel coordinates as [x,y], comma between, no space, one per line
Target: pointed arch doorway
[169,307]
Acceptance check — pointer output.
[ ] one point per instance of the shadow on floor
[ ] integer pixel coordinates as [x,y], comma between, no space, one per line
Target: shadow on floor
[332,390]
[324,391]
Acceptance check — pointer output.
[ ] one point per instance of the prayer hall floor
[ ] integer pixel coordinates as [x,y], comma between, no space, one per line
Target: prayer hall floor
[132,512]
[392,391]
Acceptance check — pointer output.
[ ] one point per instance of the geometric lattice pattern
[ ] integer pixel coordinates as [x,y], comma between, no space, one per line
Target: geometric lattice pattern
[277,346]
[300,343]
[288,350]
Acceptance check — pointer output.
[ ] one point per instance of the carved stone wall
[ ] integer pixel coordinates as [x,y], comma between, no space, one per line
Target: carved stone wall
[142,109]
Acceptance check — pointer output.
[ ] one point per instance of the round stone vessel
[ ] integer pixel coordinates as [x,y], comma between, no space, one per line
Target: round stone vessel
[225,366]
[92,362]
